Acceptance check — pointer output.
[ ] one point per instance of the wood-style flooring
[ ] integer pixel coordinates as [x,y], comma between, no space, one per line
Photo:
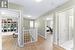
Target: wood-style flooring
[56,47]
[10,43]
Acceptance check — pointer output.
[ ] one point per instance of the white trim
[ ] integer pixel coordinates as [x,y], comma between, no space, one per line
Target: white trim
[59,11]
[11,9]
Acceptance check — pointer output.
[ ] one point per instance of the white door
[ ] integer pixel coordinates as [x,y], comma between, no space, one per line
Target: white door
[63,27]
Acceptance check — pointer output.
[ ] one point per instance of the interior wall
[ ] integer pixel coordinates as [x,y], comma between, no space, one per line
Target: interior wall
[74,29]
[26,23]
[42,22]
[15,6]
[0,36]
[41,26]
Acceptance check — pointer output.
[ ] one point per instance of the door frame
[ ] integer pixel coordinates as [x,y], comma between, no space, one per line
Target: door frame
[57,24]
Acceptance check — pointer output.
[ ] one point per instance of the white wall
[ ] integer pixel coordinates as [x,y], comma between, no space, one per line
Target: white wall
[0,36]
[74,29]
[41,26]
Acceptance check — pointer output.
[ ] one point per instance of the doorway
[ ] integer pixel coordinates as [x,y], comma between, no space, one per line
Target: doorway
[49,23]
[64,28]
[9,28]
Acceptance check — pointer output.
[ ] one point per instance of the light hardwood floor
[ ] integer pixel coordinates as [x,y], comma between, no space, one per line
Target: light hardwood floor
[56,47]
[9,43]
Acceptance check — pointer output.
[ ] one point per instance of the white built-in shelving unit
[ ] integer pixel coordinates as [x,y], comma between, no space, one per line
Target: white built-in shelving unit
[9,25]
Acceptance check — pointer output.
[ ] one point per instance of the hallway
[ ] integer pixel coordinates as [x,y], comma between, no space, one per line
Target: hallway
[37,24]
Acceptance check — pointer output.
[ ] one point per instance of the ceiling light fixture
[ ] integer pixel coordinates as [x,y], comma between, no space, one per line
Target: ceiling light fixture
[29,16]
[48,18]
[2,13]
[38,0]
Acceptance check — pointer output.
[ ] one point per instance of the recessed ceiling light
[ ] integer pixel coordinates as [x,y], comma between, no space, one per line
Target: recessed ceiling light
[38,0]
[49,18]
[2,13]
[29,16]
